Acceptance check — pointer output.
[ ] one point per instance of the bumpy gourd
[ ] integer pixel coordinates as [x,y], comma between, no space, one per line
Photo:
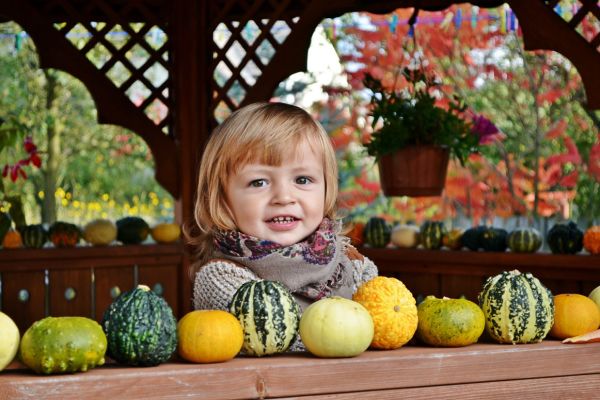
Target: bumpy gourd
[591,240]
[449,322]
[269,315]
[63,344]
[393,309]
[517,308]
[64,234]
[140,328]
[565,238]
[336,327]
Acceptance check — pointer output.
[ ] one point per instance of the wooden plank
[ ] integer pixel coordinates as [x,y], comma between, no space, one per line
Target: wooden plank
[24,313]
[64,283]
[567,387]
[300,374]
[109,282]
[163,280]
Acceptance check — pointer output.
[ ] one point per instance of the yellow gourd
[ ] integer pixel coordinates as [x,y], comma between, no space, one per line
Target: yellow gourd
[393,309]
[166,233]
[591,240]
[12,240]
[208,336]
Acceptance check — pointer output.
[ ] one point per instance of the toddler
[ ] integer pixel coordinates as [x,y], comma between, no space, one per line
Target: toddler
[266,210]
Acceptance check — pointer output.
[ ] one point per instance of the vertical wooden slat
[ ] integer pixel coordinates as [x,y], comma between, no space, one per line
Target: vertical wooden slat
[165,276]
[23,313]
[105,279]
[78,282]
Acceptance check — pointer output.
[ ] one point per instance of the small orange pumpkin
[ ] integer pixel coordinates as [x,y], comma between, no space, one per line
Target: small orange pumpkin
[207,336]
[12,240]
[356,233]
[591,240]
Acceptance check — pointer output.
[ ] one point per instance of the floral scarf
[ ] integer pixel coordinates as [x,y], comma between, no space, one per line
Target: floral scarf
[311,269]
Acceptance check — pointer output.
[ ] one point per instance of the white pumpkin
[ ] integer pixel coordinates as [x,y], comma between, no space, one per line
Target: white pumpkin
[406,236]
[9,340]
[336,327]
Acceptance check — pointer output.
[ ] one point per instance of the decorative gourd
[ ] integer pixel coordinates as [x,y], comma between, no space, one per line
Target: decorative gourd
[63,344]
[449,322]
[377,232]
[140,328]
[34,236]
[12,240]
[269,315]
[565,238]
[9,340]
[517,308]
[471,238]
[432,234]
[595,296]
[591,240]
[336,327]
[100,232]
[207,336]
[493,239]
[356,233]
[524,240]
[132,230]
[165,233]
[405,236]
[5,224]
[574,315]
[452,239]
[64,234]
[393,309]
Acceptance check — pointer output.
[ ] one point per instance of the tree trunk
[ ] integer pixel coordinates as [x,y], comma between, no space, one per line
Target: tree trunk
[53,152]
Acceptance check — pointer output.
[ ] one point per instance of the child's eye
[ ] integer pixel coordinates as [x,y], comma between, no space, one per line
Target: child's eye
[258,183]
[303,180]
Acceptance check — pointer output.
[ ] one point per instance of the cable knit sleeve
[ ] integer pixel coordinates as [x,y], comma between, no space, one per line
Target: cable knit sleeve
[216,282]
[363,268]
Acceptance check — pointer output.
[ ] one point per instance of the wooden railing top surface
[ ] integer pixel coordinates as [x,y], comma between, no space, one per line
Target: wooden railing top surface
[301,374]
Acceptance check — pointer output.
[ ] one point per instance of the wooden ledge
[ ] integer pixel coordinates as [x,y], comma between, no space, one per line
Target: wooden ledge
[481,370]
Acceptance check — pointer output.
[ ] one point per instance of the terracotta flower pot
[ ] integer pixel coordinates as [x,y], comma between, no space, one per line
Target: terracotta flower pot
[414,171]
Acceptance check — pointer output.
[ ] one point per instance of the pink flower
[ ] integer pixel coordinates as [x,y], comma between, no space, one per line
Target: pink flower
[484,129]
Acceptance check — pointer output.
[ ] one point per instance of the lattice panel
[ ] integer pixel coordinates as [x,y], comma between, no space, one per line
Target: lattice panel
[133,56]
[583,16]
[244,43]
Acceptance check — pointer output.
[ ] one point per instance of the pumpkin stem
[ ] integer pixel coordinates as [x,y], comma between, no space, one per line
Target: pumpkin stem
[397,308]
[144,288]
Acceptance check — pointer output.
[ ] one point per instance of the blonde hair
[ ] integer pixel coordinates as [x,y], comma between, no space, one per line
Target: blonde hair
[260,132]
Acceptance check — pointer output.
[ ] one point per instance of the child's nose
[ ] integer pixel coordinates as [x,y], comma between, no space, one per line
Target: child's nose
[283,193]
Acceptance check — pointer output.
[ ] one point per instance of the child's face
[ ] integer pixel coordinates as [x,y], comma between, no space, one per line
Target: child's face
[283,204]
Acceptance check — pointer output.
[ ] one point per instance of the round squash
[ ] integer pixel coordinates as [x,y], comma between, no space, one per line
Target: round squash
[393,309]
[64,234]
[209,336]
[595,295]
[452,239]
[9,340]
[524,240]
[100,232]
[132,230]
[517,308]
[12,240]
[574,315]
[405,236]
[377,232]
[63,344]
[34,236]
[432,234]
[591,240]
[565,238]
[449,322]
[140,328]
[269,315]
[336,327]
[356,233]
[493,239]
[165,233]
[471,238]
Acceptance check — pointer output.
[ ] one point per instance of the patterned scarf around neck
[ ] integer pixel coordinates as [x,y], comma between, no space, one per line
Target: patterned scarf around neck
[312,268]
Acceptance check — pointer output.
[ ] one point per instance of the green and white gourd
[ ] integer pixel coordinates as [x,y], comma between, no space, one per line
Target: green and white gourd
[517,308]
[34,236]
[524,240]
[269,315]
[377,232]
[432,234]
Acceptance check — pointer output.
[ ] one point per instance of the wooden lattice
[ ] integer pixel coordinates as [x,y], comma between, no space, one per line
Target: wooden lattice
[133,56]
[244,43]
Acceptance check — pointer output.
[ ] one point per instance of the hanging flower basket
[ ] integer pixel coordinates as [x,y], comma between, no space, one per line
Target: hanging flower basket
[414,171]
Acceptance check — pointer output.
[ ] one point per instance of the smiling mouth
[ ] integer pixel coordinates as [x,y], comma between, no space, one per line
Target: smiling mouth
[283,220]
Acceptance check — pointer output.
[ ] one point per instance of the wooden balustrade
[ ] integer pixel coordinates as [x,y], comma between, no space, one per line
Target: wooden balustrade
[84,280]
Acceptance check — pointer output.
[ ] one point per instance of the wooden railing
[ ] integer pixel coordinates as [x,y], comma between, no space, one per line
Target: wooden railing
[84,280]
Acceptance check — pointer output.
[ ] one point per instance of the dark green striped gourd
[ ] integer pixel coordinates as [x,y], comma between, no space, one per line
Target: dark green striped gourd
[34,236]
[565,238]
[517,308]
[5,224]
[432,234]
[140,328]
[524,240]
[269,315]
[377,232]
